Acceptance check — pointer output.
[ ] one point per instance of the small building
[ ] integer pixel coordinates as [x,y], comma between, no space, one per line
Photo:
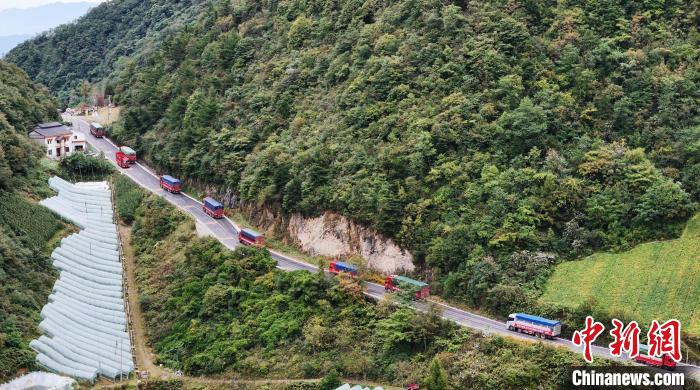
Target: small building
[58,139]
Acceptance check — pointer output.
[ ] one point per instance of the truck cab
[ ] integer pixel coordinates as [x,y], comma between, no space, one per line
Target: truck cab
[121,159]
[212,208]
[130,153]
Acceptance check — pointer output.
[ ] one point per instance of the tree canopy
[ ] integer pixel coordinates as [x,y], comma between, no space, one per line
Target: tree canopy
[475,134]
[490,138]
[22,106]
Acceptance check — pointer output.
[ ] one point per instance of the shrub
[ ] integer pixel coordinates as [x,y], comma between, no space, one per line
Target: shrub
[128,198]
[81,167]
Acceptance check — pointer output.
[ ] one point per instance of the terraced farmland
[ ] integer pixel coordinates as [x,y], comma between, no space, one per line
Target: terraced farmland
[32,222]
[655,280]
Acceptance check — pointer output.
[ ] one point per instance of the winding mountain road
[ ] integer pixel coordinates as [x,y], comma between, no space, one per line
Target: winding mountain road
[226,231]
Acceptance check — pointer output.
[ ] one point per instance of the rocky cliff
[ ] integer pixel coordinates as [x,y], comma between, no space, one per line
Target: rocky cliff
[333,235]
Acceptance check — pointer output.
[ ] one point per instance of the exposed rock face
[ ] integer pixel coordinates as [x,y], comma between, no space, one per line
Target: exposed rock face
[333,235]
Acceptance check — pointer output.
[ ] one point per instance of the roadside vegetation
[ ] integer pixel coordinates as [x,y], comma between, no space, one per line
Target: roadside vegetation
[81,167]
[128,198]
[211,311]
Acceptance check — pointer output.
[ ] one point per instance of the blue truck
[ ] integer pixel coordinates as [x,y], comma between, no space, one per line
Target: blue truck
[337,267]
[534,325]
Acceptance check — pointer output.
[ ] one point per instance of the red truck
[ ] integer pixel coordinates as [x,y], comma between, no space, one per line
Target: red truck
[251,237]
[664,361]
[122,160]
[130,153]
[212,208]
[394,283]
[170,184]
[337,267]
[97,130]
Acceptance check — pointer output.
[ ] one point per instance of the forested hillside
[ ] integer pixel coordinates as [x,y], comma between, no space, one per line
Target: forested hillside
[91,48]
[212,311]
[491,138]
[22,105]
[26,229]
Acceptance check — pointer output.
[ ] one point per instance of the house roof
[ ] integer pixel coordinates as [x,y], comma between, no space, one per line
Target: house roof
[51,129]
[48,124]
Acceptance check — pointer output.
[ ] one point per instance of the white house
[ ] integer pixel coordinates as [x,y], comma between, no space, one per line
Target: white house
[58,139]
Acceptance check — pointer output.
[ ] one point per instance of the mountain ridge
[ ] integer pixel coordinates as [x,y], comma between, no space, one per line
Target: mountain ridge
[8,42]
[34,20]
[115,30]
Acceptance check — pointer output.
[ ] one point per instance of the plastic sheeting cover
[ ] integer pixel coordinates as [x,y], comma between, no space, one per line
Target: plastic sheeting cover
[40,381]
[84,324]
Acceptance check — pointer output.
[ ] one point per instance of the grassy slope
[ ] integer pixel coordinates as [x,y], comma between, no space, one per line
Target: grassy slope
[655,280]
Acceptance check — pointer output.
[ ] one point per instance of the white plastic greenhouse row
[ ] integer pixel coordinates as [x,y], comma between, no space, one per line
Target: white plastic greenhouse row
[86,206]
[84,323]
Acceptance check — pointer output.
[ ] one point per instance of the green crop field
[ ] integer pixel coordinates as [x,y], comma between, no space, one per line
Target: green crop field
[656,280]
[36,224]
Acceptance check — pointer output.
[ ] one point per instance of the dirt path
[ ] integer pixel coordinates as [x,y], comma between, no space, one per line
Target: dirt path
[144,355]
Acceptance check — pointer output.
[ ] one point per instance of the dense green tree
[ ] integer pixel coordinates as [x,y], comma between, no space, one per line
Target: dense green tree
[23,105]
[437,379]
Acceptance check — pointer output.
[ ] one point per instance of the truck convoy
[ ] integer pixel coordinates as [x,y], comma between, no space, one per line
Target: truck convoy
[212,208]
[534,325]
[251,237]
[97,130]
[664,361]
[122,159]
[337,267]
[170,184]
[394,283]
[130,153]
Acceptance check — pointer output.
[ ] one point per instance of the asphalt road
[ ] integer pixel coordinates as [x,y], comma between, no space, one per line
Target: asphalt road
[226,231]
